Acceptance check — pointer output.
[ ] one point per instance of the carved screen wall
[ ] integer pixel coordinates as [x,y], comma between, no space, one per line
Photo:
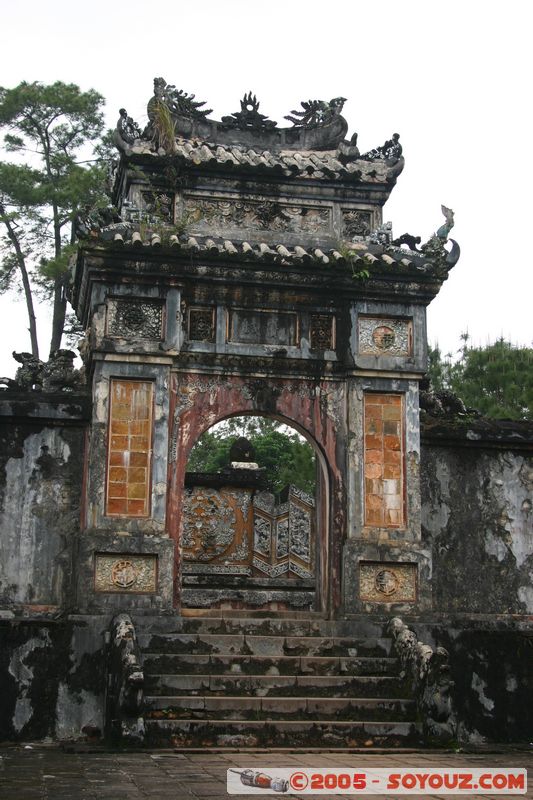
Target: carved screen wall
[216,534]
[129,448]
[234,531]
[284,535]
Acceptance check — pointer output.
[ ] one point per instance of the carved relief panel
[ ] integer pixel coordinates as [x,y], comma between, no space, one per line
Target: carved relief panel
[201,324]
[258,326]
[387,582]
[158,206]
[322,332]
[356,223]
[284,535]
[139,319]
[115,572]
[217,214]
[217,525]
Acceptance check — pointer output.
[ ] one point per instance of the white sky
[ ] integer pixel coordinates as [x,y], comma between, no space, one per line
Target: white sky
[454,79]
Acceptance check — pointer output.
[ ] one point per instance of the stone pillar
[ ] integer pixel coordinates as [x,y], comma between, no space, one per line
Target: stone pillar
[386,567]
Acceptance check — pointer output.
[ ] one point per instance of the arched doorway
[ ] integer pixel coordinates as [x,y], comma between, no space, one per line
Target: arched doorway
[253,531]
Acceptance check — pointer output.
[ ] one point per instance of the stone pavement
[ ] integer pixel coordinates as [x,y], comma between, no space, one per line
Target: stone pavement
[50,772]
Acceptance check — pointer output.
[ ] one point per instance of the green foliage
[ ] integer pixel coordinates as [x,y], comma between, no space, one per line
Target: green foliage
[359,273]
[54,132]
[165,127]
[284,455]
[497,379]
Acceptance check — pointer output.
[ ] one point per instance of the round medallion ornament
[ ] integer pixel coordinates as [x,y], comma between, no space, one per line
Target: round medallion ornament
[133,316]
[123,574]
[386,582]
[383,337]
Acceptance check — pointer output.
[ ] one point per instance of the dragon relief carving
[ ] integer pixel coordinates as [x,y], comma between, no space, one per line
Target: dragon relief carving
[316,112]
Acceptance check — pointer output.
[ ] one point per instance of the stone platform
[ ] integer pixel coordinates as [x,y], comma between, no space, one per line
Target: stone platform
[50,772]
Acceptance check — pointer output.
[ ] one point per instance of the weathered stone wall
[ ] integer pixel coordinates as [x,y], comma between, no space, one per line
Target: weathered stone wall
[477,519]
[476,485]
[41,478]
[51,669]
[52,677]
[490,665]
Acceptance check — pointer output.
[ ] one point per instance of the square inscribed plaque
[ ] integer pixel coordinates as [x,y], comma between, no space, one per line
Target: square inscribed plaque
[385,337]
[382,582]
[123,572]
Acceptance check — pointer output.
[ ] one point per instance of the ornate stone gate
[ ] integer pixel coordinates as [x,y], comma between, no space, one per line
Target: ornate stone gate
[249,271]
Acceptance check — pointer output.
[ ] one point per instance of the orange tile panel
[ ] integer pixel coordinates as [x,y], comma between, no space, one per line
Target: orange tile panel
[118,474]
[136,491]
[373,425]
[392,443]
[138,459]
[392,400]
[139,443]
[117,490]
[119,443]
[117,459]
[391,427]
[392,457]
[373,441]
[392,412]
[374,517]
[392,471]
[120,426]
[137,475]
[374,502]
[136,508]
[376,471]
[116,506]
[130,424]
[383,459]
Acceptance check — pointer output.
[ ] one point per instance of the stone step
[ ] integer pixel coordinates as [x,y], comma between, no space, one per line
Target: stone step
[244,644]
[182,733]
[232,685]
[275,708]
[267,626]
[268,665]
[197,594]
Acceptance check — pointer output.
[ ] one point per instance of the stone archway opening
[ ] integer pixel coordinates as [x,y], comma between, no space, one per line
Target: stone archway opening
[253,529]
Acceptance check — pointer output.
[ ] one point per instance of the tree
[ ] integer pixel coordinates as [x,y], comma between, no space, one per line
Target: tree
[283,454]
[50,128]
[497,379]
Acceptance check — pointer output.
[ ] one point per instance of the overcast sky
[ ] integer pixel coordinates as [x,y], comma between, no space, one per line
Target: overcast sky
[454,79]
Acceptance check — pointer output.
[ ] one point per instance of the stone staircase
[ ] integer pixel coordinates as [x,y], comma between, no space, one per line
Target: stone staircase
[274,683]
